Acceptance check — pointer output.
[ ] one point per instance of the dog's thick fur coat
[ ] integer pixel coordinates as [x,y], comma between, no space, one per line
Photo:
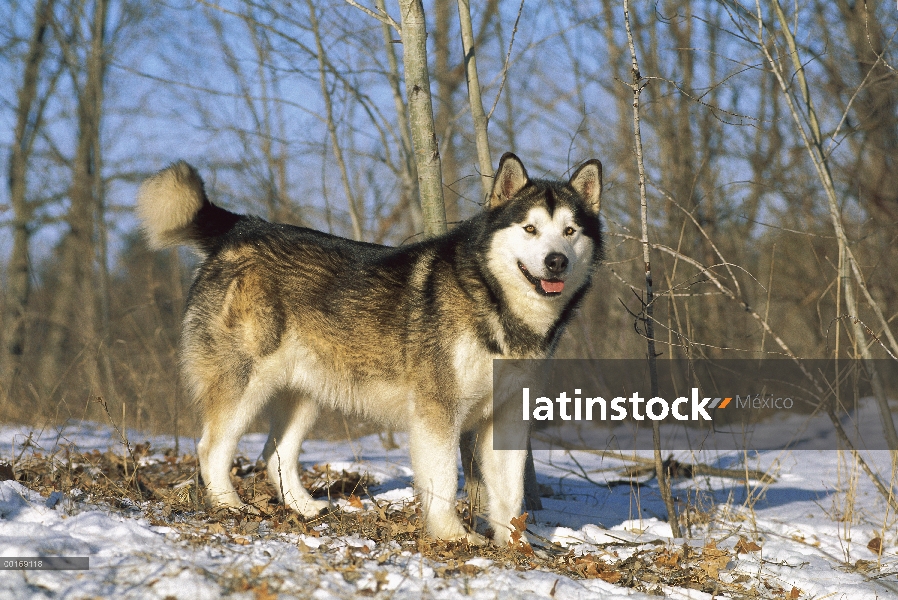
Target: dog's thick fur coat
[402,335]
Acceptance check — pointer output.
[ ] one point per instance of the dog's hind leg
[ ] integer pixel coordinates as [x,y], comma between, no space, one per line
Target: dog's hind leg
[291,419]
[225,421]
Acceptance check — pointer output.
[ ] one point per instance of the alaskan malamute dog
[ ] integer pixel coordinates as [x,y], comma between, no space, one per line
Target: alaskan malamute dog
[402,335]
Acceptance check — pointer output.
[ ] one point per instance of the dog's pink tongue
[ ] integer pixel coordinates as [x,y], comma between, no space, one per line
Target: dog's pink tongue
[551,287]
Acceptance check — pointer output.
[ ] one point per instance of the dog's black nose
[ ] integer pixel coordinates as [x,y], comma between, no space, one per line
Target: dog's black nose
[556,263]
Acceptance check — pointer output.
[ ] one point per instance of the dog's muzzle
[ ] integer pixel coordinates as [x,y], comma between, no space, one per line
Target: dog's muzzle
[556,263]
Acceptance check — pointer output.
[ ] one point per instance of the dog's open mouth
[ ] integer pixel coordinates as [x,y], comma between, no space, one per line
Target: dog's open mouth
[546,287]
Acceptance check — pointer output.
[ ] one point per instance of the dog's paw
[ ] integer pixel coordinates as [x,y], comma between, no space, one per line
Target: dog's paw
[454,531]
[502,536]
[471,537]
[505,537]
[475,539]
[513,533]
[310,508]
[514,536]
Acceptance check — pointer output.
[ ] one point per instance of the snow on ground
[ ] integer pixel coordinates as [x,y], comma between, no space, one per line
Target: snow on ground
[812,525]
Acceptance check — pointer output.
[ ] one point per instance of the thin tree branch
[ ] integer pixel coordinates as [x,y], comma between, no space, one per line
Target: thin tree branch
[383,17]
[504,74]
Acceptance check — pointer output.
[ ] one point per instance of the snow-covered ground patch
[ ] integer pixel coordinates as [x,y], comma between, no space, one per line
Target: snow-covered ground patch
[813,533]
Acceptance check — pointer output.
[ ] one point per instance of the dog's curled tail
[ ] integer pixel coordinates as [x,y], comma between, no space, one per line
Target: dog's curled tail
[174,209]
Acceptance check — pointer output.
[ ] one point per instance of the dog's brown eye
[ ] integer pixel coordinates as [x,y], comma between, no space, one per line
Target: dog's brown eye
[530,229]
[569,231]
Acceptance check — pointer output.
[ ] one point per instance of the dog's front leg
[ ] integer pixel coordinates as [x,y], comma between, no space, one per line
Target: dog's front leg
[433,453]
[503,473]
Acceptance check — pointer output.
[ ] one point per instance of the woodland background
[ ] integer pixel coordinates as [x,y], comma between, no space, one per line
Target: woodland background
[295,111]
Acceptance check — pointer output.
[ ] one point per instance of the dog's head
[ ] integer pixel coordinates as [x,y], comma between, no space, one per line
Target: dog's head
[546,236]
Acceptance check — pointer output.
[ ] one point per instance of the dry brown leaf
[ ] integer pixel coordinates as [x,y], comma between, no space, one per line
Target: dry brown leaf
[242,541]
[668,559]
[865,565]
[520,525]
[525,548]
[713,560]
[610,576]
[261,499]
[875,545]
[795,593]
[396,528]
[355,501]
[591,567]
[216,528]
[587,567]
[744,546]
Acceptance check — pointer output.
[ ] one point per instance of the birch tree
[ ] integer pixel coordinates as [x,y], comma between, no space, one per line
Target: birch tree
[74,313]
[29,116]
[420,108]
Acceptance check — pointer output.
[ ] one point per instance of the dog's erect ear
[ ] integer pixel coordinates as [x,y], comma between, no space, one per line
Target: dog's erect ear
[587,180]
[510,179]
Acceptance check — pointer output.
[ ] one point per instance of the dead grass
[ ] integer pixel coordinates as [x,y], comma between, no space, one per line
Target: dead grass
[164,488]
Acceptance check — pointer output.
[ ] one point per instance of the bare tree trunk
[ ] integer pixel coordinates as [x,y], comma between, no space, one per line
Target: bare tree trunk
[29,118]
[86,194]
[661,472]
[481,122]
[420,105]
[408,171]
[74,310]
[447,80]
